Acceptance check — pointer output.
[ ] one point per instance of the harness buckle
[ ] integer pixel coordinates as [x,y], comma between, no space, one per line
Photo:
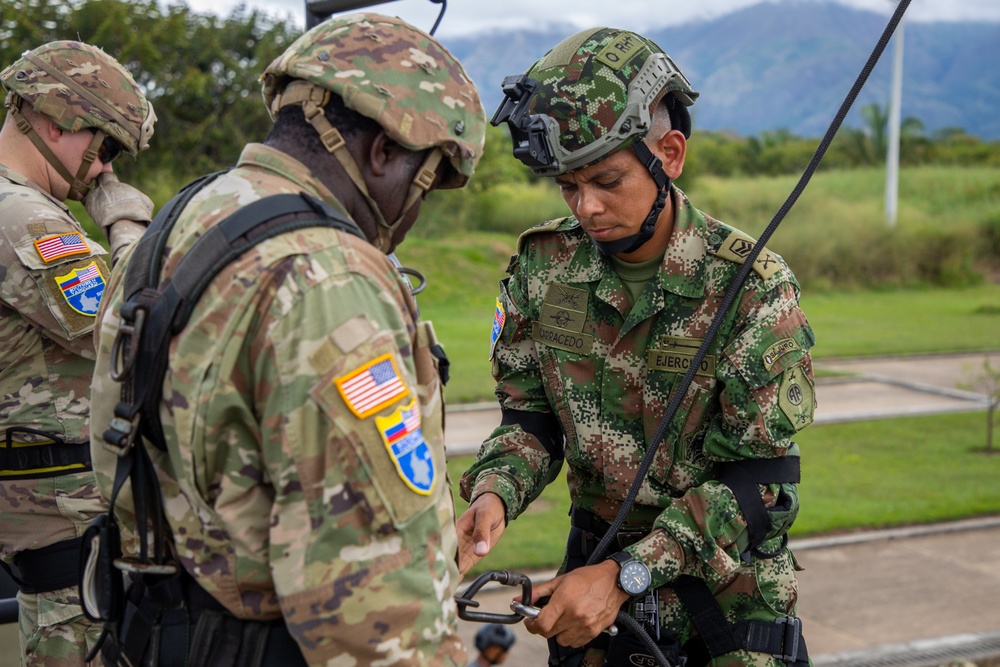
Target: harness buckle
[627,538]
[790,638]
[120,436]
[130,331]
[134,566]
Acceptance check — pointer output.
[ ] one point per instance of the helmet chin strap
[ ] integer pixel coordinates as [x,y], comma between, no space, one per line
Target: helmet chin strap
[635,241]
[77,188]
[313,99]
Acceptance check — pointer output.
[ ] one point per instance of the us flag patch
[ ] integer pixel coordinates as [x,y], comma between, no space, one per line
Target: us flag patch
[61,245]
[375,385]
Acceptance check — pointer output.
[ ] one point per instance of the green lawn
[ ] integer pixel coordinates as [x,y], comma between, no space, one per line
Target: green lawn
[855,476]
[463,273]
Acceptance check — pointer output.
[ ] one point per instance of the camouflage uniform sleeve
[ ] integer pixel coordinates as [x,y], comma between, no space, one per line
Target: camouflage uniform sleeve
[363,563]
[513,463]
[55,289]
[767,396]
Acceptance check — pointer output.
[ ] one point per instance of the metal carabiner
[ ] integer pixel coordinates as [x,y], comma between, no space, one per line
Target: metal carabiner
[122,363]
[505,577]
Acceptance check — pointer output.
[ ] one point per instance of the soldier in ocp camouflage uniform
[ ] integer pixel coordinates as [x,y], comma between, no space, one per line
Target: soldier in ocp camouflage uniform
[71,109]
[598,322]
[304,479]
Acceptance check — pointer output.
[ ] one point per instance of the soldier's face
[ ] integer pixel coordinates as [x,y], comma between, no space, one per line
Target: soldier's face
[611,198]
[70,148]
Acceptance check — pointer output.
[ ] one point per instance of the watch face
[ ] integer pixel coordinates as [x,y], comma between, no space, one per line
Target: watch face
[634,578]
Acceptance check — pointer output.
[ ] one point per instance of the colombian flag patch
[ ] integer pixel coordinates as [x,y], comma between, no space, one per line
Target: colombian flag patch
[407,448]
[83,288]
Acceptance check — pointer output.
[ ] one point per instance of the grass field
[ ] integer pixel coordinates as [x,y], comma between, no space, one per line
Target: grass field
[922,287]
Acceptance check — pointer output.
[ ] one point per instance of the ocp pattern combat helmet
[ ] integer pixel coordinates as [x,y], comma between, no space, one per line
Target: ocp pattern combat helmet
[79,86]
[393,73]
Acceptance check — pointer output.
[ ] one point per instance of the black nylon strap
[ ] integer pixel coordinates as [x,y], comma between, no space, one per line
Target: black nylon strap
[25,462]
[542,425]
[742,478]
[144,265]
[751,504]
[168,305]
[49,568]
[706,615]
[782,638]
[207,257]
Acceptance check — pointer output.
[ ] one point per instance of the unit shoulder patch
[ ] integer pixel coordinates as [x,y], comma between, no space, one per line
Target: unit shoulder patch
[737,247]
[797,398]
[82,288]
[410,453]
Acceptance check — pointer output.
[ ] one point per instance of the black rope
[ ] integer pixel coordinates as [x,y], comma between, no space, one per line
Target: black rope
[740,278]
[444,6]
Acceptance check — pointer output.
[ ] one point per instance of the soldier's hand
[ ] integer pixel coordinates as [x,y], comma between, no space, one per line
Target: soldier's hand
[113,200]
[479,529]
[582,604]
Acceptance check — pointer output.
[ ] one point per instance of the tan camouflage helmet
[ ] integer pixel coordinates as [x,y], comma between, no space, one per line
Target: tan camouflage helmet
[79,86]
[395,74]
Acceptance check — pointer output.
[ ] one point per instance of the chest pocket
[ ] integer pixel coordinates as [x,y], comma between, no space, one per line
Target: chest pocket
[680,462]
[69,275]
[395,459]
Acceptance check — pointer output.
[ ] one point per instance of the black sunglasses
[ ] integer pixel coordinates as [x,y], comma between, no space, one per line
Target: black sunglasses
[109,150]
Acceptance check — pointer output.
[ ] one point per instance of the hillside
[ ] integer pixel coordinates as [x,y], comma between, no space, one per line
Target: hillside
[789,64]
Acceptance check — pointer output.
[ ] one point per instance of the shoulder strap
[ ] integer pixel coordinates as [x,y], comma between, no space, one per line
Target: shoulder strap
[155,310]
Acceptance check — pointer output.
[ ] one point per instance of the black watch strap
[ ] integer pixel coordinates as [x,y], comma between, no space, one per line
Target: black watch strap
[621,557]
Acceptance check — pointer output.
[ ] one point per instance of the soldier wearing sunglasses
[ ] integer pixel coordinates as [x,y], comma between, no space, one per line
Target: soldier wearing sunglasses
[71,110]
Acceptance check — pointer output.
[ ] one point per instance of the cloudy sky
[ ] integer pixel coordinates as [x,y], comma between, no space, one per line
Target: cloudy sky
[466,16]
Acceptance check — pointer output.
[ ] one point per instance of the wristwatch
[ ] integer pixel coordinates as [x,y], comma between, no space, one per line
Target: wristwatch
[633,577]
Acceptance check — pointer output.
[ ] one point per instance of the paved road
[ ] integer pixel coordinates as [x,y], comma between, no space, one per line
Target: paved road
[910,597]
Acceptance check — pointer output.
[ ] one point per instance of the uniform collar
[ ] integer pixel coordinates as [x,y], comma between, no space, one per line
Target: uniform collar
[279,163]
[683,268]
[15,177]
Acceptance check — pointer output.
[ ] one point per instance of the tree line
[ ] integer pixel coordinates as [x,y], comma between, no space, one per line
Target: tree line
[201,73]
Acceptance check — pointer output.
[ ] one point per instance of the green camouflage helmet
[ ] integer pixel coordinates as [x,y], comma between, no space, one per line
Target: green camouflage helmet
[79,86]
[590,96]
[395,74]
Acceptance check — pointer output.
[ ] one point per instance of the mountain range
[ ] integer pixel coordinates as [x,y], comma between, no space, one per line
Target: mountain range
[788,66]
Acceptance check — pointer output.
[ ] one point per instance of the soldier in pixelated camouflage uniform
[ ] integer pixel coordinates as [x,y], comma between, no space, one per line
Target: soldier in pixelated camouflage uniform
[71,109]
[593,331]
[304,480]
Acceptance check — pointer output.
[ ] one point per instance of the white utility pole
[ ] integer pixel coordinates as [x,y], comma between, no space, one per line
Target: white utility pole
[892,152]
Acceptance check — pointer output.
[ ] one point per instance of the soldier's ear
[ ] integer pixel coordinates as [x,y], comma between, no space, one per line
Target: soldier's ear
[385,155]
[49,128]
[673,149]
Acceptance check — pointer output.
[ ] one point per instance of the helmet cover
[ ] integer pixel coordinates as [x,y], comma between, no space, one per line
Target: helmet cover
[395,74]
[79,86]
[590,96]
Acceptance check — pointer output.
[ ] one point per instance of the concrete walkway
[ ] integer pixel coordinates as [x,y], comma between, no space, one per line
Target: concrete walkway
[919,597]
